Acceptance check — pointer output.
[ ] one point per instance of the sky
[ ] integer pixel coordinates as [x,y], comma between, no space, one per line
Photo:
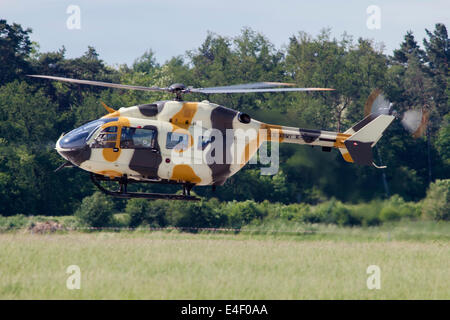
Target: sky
[123,30]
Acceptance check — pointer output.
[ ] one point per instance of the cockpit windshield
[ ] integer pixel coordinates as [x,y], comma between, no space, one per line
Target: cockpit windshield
[77,137]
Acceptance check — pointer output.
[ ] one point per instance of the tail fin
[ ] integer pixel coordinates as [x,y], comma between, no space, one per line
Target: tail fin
[361,124]
[364,135]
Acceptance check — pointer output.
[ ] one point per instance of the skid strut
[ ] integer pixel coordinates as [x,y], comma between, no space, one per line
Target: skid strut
[123,190]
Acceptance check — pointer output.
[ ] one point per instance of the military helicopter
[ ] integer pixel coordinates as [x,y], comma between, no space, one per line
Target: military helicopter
[142,143]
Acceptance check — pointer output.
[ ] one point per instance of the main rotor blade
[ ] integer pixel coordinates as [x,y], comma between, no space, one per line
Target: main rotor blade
[212,90]
[101,84]
[254,85]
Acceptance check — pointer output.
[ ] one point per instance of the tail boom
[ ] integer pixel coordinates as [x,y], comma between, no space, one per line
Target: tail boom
[355,144]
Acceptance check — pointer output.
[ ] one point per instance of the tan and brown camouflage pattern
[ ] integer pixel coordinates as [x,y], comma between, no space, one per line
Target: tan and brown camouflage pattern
[189,118]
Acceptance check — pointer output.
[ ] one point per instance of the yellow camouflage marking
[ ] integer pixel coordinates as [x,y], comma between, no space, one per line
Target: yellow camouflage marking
[340,138]
[184,172]
[274,128]
[108,153]
[110,110]
[183,119]
[339,143]
[347,157]
[252,146]
[250,149]
[114,114]
[109,173]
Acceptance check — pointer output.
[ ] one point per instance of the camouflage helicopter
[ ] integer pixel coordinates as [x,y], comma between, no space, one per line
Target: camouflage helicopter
[141,143]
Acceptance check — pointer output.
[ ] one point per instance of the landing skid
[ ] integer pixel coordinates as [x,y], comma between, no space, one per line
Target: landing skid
[124,194]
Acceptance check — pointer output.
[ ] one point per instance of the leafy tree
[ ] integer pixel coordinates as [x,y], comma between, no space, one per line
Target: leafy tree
[438,49]
[89,66]
[437,203]
[249,57]
[242,213]
[146,62]
[353,70]
[96,210]
[438,56]
[201,214]
[413,86]
[26,114]
[15,48]
[152,213]
[29,124]
[409,47]
[214,61]
[443,141]
[33,113]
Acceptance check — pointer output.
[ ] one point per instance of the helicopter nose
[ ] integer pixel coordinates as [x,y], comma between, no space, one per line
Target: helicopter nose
[74,147]
[77,154]
[58,147]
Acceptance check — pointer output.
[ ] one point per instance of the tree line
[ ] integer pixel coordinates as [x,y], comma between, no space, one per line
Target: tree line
[34,113]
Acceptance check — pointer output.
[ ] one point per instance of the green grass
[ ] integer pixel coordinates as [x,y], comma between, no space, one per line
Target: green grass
[331,264]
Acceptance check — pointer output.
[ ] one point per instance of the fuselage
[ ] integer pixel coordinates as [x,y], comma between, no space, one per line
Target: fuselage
[187,142]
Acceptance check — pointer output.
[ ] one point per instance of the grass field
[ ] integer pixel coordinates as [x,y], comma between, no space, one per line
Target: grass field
[414,259]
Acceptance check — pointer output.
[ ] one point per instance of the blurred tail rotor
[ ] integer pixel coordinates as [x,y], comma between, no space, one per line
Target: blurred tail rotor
[413,120]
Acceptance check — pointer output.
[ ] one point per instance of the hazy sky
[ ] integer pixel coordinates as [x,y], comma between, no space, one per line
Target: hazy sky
[122,30]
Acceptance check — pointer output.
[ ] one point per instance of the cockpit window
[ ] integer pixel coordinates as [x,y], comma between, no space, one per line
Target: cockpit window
[106,138]
[138,138]
[78,137]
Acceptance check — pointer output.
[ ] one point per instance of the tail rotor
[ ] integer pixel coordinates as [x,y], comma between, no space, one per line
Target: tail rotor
[414,120]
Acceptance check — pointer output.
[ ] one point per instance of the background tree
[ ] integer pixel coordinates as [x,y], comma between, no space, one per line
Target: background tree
[33,113]
[15,47]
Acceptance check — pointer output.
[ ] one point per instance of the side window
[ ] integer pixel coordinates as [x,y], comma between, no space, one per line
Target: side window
[137,138]
[177,141]
[106,139]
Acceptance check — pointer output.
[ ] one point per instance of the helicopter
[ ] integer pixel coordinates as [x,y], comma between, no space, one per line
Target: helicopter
[144,143]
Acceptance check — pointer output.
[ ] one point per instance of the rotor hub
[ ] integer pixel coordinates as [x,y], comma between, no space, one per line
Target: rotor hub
[178,89]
